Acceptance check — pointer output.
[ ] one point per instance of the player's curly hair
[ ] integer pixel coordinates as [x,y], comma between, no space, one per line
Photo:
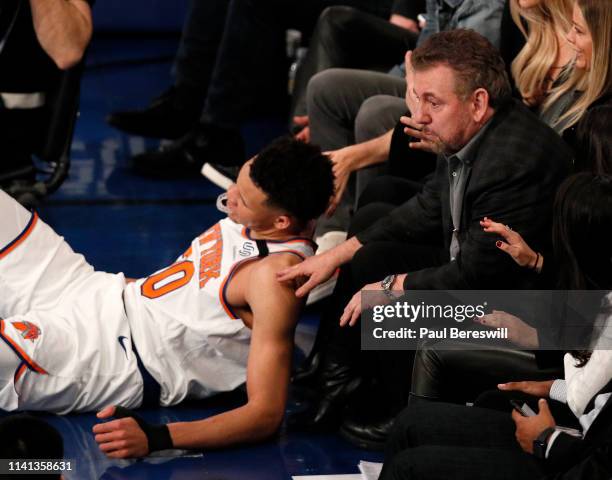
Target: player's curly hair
[295,176]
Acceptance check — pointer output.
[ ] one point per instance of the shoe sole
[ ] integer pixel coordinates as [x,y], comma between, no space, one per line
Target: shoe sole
[216,177]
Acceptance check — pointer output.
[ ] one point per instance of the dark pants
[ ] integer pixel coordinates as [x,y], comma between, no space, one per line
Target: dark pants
[345,37]
[390,371]
[447,370]
[233,51]
[21,136]
[439,441]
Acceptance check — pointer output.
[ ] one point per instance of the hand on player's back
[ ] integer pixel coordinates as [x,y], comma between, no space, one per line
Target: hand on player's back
[317,269]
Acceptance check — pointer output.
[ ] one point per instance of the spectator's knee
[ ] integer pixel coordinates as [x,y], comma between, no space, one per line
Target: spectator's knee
[325,85]
[368,119]
[336,19]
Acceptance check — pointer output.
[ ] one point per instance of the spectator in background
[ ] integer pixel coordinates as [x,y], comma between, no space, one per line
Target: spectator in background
[345,37]
[38,38]
[231,63]
[439,440]
[352,112]
[487,163]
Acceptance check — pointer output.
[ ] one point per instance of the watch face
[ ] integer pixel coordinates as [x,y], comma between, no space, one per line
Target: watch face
[387,282]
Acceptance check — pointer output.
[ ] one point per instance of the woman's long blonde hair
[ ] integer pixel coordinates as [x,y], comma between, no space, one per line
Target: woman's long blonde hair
[531,67]
[597,81]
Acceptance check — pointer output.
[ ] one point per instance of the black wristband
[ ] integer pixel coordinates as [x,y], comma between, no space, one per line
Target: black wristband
[157,435]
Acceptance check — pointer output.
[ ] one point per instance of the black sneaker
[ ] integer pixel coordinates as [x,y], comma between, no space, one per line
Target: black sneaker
[220,175]
[185,157]
[171,115]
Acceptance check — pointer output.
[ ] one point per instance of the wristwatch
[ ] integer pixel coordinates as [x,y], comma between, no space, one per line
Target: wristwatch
[386,285]
[540,443]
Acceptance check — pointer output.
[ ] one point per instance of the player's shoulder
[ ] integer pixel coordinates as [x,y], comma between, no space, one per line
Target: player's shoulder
[269,266]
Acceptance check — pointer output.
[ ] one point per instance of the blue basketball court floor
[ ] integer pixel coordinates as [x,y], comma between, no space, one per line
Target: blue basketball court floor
[122,222]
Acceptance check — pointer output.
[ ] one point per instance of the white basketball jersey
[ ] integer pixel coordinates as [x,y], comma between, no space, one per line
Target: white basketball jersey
[187,335]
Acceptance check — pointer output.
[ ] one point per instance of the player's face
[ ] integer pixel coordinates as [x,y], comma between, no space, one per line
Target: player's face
[247,204]
[440,110]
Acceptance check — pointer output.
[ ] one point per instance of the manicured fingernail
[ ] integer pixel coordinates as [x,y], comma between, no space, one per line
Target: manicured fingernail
[498,243]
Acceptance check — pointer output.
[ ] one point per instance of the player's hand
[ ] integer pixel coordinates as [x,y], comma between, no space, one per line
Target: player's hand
[426,141]
[317,269]
[529,428]
[537,389]
[519,332]
[120,438]
[514,245]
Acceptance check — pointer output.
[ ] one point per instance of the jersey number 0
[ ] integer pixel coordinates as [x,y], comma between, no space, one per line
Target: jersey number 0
[168,280]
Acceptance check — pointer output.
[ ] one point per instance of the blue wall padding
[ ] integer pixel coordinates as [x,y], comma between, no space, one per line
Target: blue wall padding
[140,15]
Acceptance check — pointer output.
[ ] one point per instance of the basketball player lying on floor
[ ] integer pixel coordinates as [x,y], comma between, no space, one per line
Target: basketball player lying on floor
[76,340]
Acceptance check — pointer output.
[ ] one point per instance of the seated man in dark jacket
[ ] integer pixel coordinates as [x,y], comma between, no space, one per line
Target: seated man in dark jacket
[496,159]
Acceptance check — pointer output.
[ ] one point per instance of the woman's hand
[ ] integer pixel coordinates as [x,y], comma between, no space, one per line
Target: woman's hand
[514,245]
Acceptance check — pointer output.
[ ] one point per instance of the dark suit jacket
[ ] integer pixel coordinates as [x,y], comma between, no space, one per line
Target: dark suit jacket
[517,167]
[588,459]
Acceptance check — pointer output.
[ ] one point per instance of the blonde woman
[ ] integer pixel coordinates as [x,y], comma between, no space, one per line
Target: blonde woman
[581,106]
[590,83]
[546,53]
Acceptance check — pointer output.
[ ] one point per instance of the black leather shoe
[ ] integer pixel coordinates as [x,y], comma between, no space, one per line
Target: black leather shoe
[336,385]
[185,157]
[305,373]
[371,435]
[171,115]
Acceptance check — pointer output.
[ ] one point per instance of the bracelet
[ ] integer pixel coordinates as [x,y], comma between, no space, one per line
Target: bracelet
[535,265]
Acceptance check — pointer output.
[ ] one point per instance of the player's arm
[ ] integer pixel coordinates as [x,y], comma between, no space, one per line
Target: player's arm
[63,29]
[275,309]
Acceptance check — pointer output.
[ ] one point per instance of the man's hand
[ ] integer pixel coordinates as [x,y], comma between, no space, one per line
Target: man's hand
[120,438]
[320,268]
[529,428]
[317,269]
[537,389]
[426,141]
[353,309]
[519,332]
[514,244]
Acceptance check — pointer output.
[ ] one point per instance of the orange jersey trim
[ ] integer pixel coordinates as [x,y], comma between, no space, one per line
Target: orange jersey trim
[19,372]
[18,350]
[22,236]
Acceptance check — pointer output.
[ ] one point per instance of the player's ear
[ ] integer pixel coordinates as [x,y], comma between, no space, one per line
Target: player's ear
[283,222]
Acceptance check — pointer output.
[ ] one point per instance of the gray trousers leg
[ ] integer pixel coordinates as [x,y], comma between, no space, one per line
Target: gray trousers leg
[377,115]
[349,106]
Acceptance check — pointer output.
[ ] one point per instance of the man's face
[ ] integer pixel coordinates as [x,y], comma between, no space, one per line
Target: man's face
[441,112]
[246,202]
